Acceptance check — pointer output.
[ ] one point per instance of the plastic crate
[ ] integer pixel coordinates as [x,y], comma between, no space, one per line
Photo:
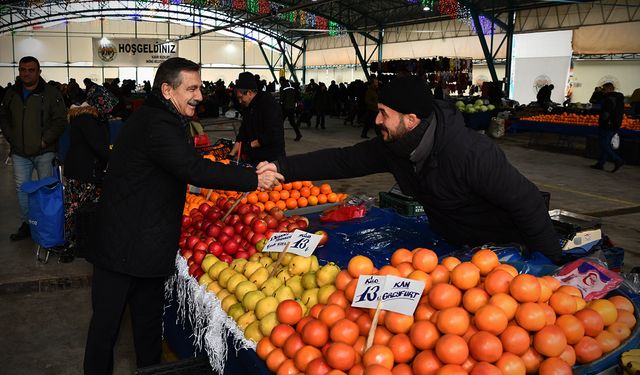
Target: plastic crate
[191,366]
[403,206]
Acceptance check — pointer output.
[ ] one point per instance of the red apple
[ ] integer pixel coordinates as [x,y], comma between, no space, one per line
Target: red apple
[193,267]
[228,204]
[213,214]
[204,207]
[277,213]
[186,221]
[248,218]
[302,224]
[245,232]
[225,258]
[237,238]
[223,238]
[324,239]
[182,243]
[194,211]
[259,226]
[209,240]
[243,209]
[215,248]
[269,233]
[228,230]
[230,247]
[192,241]
[262,215]
[282,227]
[291,227]
[200,246]
[242,254]
[198,256]
[255,209]
[256,237]
[221,202]
[213,231]
[251,250]
[198,274]
[272,222]
[238,227]
[186,254]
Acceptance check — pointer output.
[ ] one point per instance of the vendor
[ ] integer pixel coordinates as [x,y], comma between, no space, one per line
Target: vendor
[469,190]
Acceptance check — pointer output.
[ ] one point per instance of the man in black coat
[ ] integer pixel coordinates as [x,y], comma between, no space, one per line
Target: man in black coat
[261,133]
[608,124]
[140,213]
[470,192]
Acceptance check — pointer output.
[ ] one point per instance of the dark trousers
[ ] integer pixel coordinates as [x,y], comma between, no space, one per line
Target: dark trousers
[110,294]
[606,151]
[290,114]
[320,119]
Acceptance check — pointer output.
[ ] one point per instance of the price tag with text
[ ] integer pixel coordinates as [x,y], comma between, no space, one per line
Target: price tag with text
[277,243]
[396,293]
[303,243]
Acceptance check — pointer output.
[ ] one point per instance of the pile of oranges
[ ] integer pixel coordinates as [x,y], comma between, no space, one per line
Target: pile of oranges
[288,196]
[585,120]
[478,317]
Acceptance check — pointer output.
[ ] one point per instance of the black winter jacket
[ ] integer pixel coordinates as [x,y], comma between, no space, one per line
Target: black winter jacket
[143,194]
[262,120]
[471,194]
[612,111]
[89,149]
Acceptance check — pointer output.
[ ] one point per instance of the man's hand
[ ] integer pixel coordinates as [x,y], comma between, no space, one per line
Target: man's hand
[235,148]
[267,180]
[265,166]
[255,143]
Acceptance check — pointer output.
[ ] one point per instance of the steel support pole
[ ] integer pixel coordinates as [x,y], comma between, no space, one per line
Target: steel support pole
[266,58]
[380,43]
[509,60]
[363,64]
[485,48]
[288,62]
[304,61]
[66,37]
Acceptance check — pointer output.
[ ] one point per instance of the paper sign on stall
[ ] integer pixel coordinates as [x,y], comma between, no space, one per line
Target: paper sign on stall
[395,293]
[299,242]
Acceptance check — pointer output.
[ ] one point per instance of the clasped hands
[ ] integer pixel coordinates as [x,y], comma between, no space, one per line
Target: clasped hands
[268,176]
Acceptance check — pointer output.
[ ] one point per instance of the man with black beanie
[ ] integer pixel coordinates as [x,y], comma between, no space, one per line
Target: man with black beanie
[471,194]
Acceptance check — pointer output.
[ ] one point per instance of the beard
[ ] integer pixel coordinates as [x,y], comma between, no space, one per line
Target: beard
[399,133]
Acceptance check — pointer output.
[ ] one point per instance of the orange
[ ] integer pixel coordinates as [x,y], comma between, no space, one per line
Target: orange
[398,323]
[454,320]
[515,339]
[485,347]
[591,320]
[509,268]
[251,198]
[450,262]
[305,191]
[525,288]
[587,350]
[606,309]
[424,260]
[268,205]
[608,341]
[263,196]
[440,274]
[465,276]
[332,197]
[264,347]
[314,190]
[442,296]
[275,359]
[330,314]
[313,200]
[344,331]
[510,364]
[281,204]
[287,186]
[549,314]
[295,194]
[305,355]
[531,316]
[307,183]
[422,276]
[302,202]
[426,362]
[451,370]
[291,203]
[491,318]
[325,189]
[274,196]
[532,360]
[627,318]
[284,195]
[400,256]
[486,260]
[424,335]
[388,270]
[350,290]
[260,206]
[378,355]
[452,349]
[571,327]
[569,355]
[571,290]
[622,303]
[296,185]
[555,366]
[277,188]
[405,269]
[322,198]
[619,330]
[343,279]
[474,298]
[497,281]
[360,265]
[402,348]
[562,303]
[423,312]
[340,356]
[550,341]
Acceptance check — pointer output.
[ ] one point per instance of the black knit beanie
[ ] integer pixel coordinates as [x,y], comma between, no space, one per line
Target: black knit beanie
[408,95]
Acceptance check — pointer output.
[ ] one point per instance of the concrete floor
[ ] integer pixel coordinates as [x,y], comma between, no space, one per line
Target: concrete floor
[46,308]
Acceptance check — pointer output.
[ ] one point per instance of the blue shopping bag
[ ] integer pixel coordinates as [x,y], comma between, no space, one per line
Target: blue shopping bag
[46,210]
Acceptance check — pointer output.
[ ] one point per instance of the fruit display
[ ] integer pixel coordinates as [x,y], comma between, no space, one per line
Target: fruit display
[585,120]
[478,106]
[242,234]
[630,361]
[288,196]
[476,317]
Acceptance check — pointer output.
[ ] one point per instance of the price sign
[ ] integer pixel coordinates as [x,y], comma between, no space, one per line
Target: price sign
[395,293]
[303,243]
[277,243]
[299,241]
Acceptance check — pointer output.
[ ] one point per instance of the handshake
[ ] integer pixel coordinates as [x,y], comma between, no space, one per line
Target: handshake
[268,176]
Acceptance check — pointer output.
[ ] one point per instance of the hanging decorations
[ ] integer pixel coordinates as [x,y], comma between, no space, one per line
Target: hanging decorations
[448,7]
[485,23]
[334,28]
[264,6]
[321,23]
[252,6]
[239,4]
[427,4]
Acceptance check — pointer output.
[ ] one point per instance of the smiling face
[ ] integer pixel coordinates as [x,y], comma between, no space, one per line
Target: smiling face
[187,95]
[393,124]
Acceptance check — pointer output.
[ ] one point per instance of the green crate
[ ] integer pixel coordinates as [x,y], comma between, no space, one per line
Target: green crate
[403,206]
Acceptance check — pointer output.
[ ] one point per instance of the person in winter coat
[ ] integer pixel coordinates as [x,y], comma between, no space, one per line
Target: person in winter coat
[471,194]
[261,133]
[140,212]
[86,160]
[321,105]
[33,115]
[371,104]
[288,101]
[608,124]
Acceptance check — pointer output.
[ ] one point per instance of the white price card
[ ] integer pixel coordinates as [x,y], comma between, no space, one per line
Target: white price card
[277,243]
[396,293]
[303,243]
